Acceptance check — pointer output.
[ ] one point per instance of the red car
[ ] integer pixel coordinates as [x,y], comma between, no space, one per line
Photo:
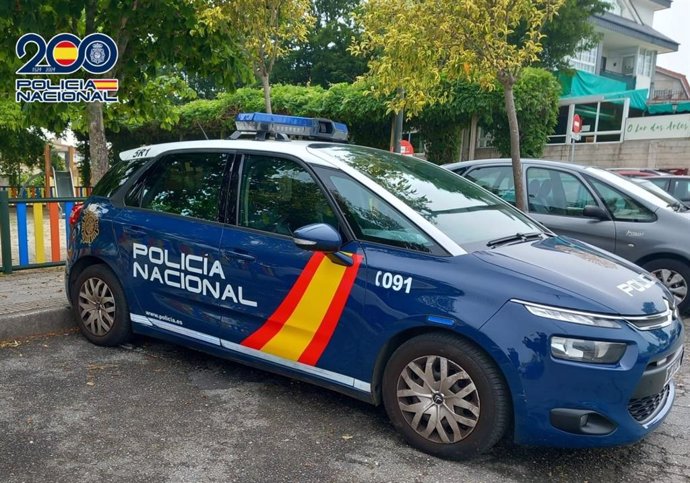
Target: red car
[638,172]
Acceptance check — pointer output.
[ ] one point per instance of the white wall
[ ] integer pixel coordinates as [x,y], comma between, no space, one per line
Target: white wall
[646,14]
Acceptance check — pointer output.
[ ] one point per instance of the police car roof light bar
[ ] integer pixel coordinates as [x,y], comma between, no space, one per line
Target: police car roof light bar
[277,124]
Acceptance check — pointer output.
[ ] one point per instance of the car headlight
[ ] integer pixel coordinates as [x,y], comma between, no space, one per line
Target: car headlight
[573,316]
[592,351]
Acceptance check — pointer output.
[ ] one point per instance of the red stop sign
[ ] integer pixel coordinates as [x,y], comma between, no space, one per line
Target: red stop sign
[577,123]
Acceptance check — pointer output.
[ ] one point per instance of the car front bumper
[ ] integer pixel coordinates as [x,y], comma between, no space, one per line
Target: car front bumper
[574,404]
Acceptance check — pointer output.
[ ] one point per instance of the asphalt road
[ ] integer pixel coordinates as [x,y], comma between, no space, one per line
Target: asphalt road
[71,411]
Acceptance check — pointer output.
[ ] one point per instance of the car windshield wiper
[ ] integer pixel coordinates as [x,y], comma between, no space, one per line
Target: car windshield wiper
[518,237]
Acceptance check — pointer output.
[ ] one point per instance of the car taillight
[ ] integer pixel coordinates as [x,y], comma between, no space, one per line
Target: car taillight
[74,216]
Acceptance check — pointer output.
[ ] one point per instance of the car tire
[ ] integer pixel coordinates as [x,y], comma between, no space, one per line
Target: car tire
[100,307]
[468,406]
[675,275]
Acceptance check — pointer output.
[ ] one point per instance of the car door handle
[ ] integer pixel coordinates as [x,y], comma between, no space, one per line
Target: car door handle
[236,254]
[134,230]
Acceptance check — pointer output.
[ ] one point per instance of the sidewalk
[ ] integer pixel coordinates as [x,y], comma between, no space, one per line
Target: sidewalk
[33,302]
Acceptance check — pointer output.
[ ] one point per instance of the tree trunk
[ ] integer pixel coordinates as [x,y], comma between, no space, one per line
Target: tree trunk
[267,92]
[508,82]
[98,147]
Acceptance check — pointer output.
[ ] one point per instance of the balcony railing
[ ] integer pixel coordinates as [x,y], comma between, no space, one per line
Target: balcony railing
[665,95]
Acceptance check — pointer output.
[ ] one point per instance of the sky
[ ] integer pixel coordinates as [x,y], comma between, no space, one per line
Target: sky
[673,22]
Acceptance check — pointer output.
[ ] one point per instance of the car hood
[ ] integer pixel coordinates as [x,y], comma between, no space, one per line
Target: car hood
[579,271]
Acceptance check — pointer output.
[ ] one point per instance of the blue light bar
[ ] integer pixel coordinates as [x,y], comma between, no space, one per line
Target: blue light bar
[291,125]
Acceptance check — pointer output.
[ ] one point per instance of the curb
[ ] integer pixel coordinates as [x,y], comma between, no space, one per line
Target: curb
[36,322]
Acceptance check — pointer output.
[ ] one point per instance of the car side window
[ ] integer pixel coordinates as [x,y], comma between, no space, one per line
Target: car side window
[622,206]
[373,219]
[661,183]
[118,175]
[497,179]
[187,184]
[278,195]
[556,192]
[682,189]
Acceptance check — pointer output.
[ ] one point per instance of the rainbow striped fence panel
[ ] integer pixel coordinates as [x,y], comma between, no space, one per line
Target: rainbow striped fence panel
[33,231]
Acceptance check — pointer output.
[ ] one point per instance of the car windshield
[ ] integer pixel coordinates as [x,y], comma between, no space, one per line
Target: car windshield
[465,212]
[631,187]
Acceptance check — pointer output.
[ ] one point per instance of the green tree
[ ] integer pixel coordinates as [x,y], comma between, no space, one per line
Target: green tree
[324,57]
[430,41]
[149,34]
[571,30]
[266,28]
[536,104]
[19,146]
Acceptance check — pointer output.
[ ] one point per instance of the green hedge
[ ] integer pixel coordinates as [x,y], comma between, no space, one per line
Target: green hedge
[369,123]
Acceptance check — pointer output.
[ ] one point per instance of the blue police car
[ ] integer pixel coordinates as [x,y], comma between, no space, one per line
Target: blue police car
[381,276]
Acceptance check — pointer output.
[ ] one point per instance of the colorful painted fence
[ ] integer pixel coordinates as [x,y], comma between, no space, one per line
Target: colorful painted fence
[34,232]
[39,192]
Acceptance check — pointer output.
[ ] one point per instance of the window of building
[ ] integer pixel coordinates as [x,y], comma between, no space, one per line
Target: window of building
[484,138]
[645,62]
[585,60]
[602,121]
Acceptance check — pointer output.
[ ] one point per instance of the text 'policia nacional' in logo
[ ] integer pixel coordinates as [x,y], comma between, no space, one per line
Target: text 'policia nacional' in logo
[65,54]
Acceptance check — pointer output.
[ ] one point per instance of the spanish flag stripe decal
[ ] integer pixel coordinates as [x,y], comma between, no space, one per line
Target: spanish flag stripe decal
[302,326]
[276,321]
[323,335]
[105,84]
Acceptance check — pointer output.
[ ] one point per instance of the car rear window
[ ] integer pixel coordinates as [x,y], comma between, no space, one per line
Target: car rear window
[117,175]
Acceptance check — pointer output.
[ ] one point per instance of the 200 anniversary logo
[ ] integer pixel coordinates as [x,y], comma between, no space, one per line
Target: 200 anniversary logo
[66,53]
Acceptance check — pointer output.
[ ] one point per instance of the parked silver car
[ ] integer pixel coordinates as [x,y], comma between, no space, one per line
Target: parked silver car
[601,208]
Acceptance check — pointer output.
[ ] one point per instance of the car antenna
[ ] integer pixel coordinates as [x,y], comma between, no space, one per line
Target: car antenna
[202,129]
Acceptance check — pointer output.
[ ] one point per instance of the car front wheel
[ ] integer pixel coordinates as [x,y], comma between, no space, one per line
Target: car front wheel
[100,307]
[446,396]
[675,275]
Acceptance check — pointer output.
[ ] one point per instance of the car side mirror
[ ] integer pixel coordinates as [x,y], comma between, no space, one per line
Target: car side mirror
[597,212]
[321,237]
[317,237]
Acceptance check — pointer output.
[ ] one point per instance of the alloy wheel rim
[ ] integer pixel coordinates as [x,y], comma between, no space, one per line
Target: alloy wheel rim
[674,281]
[438,399]
[97,306]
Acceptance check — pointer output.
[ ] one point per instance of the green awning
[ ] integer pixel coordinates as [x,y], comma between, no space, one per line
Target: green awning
[669,108]
[585,84]
[638,98]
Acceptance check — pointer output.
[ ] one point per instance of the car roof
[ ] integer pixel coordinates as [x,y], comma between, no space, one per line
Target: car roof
[301,150]
[640,173]
[508,161]
[294,148]
[670,176]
